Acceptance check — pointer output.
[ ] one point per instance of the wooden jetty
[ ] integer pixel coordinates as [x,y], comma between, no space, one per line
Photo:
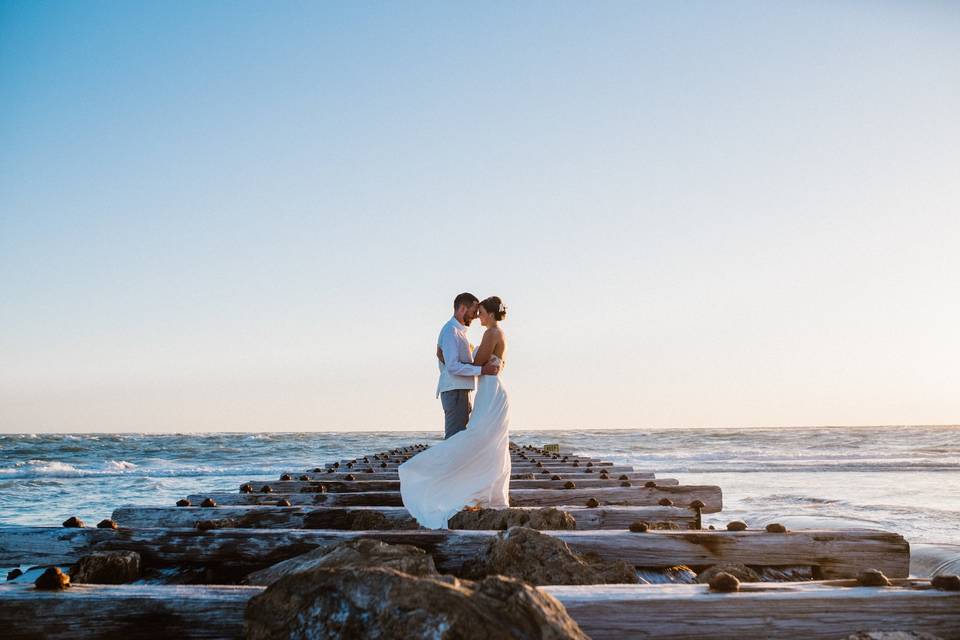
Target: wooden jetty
[262,523]
[814,610]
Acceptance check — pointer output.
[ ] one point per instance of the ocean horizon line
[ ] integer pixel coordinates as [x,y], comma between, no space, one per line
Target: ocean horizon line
[400,430]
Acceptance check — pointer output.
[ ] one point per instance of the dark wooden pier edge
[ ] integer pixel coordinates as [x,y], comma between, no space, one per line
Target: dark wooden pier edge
[265,523]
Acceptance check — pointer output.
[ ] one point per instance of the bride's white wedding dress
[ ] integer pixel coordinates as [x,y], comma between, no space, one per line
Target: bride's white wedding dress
[472,468]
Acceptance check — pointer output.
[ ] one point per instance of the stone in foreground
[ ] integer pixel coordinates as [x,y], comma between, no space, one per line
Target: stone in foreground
[548,518]
[541,559]
[108,567]
[382,603]
[359,553]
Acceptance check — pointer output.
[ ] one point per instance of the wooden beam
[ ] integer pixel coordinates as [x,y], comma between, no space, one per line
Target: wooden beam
[362,484]
[308,517]
[515,468]
[132,612]
[637,496]
[836,553]
[574,474]
[814,610]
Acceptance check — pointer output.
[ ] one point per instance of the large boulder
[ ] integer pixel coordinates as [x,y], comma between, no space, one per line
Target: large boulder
[503,519]
[106,567]
[361,552]
[541,559]
[370,604]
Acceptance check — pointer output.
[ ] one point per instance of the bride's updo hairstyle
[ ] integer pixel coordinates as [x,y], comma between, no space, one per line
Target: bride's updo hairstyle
[495,306]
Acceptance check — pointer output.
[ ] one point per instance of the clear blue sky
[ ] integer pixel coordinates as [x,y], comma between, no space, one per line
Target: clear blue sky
[255,215]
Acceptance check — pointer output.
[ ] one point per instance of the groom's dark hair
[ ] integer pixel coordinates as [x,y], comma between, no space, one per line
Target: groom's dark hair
[465,299]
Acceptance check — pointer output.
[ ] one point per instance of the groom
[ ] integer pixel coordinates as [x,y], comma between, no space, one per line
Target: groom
[457,371]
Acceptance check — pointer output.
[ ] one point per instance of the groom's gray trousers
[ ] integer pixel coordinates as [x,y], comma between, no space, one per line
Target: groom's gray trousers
[456,411]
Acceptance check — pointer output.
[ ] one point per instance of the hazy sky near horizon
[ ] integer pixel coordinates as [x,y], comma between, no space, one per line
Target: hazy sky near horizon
[254,216]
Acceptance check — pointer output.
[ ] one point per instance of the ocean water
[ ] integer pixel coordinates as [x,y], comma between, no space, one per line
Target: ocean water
[904,479]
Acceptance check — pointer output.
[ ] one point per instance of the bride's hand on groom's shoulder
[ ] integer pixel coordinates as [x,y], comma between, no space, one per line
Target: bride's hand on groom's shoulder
[440,355]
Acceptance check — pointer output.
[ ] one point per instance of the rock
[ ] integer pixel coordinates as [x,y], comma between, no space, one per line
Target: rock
[737,525]
[106,523]
[873,578]
[353,554]
[548,518]
[944,583]
[13,575]
[665,502]
[220,523]
[542,559]
[639,527]
[183,502]
[650,484]
[327,604]
[741,572]
[246,488]
[283,502]
[555,477]
[107,567]
[593,503]
[52,580]
[73,521]
[697,504]
[569,484]
[776,527]
[350,477]
[266,489]
[724,583]
[208,502]
[304,478]
[285,477]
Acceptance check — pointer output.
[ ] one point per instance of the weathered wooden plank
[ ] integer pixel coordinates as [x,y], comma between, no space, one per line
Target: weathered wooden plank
[637,496]
[814,610]
[131,612]
[361,474]
[308,517]
[836,553]
[362,484]
[569,458]
[682,495]
[360,499]
[515,468]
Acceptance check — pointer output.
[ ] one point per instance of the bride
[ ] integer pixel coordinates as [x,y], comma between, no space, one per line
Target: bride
[471,468]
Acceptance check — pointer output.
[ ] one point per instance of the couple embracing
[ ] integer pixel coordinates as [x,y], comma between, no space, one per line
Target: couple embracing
[471,467]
